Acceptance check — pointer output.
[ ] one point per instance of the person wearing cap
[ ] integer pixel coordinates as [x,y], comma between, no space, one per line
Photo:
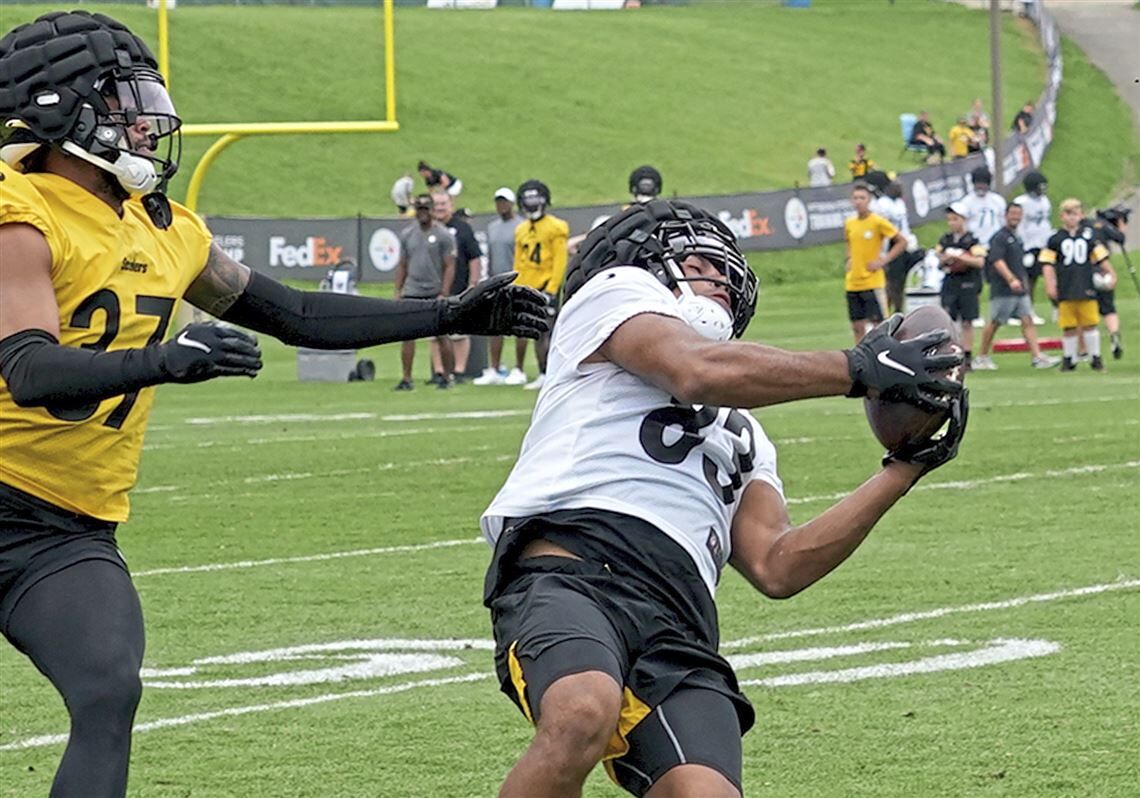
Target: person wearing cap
[860,165]
[500,260]
[426,270]
[961,256]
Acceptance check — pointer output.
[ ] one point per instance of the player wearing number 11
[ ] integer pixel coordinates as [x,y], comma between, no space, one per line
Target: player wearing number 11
[93,262]
[640,479]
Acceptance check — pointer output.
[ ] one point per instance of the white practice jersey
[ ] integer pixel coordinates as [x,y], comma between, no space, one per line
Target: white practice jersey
[603,438]
[894,211]
[1036,225]
[985,215]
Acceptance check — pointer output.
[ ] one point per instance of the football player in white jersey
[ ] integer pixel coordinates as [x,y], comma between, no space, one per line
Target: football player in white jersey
[1036,226]
[640,479]
[985,209]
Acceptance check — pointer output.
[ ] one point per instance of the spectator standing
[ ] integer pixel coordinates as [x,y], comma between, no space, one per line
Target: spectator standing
[864,280]
[860,165]
[979,122]
[1111,224]
[892,207]
[402,193]
[924,135]
[426,270]
[1069,259]
[1023,119]
[820,169]
[468,267]
[1035,228]
[438,179]
[1008,298]
[500,260]
[963,140]
[961,256]
[985,209]
[541,247]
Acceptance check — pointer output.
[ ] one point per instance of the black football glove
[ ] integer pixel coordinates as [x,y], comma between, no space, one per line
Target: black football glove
[495,307]
[902,371]
[205,351]
[940,450]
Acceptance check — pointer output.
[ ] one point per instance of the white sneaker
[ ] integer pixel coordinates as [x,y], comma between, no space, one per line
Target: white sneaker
[516,377]
[1038,320]
[1045,362]
[978,324]
[535,384]
[984,363]
[490,377]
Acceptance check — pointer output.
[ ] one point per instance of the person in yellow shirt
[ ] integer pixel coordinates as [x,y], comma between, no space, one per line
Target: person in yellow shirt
[865,280]
[541,247]
[95,262]
[963,139]
[860,165]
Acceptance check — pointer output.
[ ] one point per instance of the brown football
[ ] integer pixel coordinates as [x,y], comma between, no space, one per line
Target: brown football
[899,423]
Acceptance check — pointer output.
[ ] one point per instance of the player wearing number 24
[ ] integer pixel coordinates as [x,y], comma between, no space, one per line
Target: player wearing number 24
[641,478]
[95,259]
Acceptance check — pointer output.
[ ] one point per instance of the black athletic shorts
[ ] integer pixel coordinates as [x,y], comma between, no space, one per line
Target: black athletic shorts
[1106,302]
[864,306]
[960,298]
[38,539]
[647,626]
[1033,266]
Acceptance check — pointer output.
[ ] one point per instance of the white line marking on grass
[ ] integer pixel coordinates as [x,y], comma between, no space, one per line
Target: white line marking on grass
[940,612]
[463,414]
[185,720]
[335,555]
[298,418]
[993,653]
[977,483]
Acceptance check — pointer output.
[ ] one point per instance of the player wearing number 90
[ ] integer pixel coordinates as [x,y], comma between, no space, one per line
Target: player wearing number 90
[640,478]
[94,262]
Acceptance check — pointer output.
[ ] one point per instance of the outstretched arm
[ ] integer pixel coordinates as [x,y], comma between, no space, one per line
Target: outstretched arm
[780,560]
[323,320]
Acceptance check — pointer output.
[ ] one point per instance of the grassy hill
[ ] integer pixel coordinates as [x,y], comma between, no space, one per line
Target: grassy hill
[721,97]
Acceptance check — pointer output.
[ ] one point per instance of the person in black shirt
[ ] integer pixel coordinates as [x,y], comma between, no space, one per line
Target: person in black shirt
[1110,225]
[961,257]
[438,179]
[1023,120]
[468,271]
[1070,260]
[924,135]
[1009,282]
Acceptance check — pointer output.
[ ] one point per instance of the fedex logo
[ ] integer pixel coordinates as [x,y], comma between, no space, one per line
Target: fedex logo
[748,224]
[316,251]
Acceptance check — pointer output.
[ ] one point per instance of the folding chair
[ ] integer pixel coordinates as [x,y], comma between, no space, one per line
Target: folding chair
[906,124]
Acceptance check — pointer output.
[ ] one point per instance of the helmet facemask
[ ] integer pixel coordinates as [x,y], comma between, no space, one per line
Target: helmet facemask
[533,204]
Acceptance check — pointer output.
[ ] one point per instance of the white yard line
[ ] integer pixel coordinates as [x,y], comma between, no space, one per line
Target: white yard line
[939,612]
[309,418]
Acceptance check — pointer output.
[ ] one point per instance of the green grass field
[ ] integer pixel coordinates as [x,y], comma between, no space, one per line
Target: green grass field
[276,514]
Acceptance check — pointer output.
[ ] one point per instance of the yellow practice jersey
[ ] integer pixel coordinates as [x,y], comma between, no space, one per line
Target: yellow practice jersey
[541,252]
[117,283]
[865,239]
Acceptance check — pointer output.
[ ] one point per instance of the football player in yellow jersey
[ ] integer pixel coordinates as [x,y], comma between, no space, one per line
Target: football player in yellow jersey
[95,260]
[540,260]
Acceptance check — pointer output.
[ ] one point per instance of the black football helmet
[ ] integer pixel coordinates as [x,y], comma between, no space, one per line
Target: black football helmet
[1036,184]
[84,82]
[657,236]
[982,176]
[533,198]
[645,183]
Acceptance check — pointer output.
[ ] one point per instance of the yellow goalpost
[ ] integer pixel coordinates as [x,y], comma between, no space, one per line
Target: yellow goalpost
[231,132]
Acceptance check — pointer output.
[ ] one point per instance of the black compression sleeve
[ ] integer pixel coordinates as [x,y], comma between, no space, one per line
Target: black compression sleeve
[323,320]
[39,371]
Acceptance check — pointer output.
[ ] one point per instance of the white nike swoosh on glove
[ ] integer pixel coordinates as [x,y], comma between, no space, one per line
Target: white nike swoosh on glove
[185,340]
[886,359]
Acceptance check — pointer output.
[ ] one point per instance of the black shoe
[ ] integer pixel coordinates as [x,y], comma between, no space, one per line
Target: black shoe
[457,378]
[1117,347]
[404,385]
[1097,363]
[1068,364]
[436,379]
[443,384]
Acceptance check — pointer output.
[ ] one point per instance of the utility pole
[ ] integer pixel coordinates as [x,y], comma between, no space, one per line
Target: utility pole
[997,128]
